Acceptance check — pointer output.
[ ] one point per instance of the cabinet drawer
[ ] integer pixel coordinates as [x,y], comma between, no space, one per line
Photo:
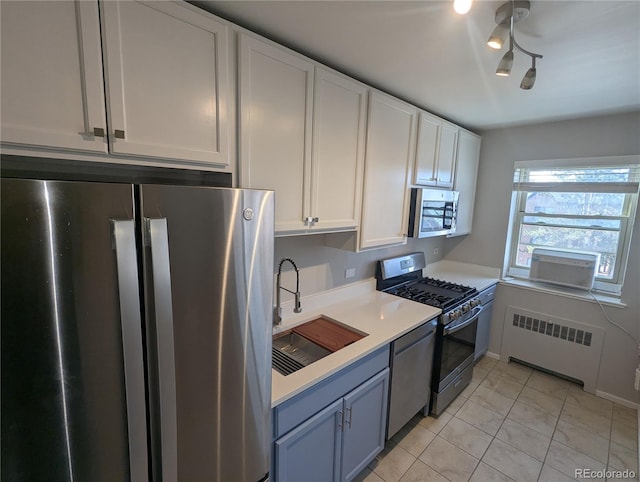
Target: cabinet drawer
[298,409]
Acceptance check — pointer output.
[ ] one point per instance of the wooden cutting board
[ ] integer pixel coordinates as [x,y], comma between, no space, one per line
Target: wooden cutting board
[327,334]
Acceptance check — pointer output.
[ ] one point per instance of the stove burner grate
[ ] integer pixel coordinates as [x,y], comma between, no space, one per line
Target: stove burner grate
[434,292]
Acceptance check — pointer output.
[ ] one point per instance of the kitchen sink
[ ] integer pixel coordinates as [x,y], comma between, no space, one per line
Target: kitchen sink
[291,352]
[309,342]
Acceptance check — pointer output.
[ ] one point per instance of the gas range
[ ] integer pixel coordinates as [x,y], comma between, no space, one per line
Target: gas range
[457,325]
[402,276]
[434,292]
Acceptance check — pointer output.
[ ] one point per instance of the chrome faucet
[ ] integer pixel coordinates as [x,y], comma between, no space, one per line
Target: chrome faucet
[277,311]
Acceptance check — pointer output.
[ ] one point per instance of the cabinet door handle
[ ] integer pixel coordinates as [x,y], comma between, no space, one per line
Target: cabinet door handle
[348,420]
[340,419]
[119,134]
[98,131]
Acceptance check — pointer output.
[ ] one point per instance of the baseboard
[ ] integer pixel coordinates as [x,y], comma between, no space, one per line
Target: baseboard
[495,356]
[619,400]
[599,393]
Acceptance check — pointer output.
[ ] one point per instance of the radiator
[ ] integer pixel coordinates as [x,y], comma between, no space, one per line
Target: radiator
[562,346]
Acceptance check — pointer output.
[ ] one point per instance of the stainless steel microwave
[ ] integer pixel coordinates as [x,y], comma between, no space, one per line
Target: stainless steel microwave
[432,212]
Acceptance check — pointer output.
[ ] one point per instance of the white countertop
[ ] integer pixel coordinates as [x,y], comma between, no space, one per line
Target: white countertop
[480,277]
[383,317]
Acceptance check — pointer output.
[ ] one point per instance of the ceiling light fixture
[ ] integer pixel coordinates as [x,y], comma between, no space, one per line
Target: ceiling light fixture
[530,77]
[504,67]
[507,15]
[462,6]
[498,36]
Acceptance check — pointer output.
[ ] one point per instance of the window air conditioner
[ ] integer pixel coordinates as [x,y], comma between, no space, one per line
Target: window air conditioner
[576,269]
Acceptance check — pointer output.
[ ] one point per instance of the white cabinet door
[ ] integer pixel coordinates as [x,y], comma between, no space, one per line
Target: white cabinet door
[435,152]
[166,75]
[447,155]
[52,91]
[276,94]
[427,150]
[390,152]
[338,150]
[465,180]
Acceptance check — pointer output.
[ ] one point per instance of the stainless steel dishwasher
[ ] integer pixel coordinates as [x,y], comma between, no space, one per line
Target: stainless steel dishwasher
[411,366]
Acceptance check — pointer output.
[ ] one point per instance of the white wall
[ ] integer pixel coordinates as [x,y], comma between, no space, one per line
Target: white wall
[323,267]
[613,135]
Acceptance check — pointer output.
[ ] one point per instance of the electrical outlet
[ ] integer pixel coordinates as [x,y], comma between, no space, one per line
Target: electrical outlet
[436,251]
[349,273]
[636,384]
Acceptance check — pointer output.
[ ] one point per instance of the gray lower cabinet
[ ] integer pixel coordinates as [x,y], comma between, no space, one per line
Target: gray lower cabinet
[484,329]
[312,451]
[363,431]
[484,321]
[339,441]
[331,431]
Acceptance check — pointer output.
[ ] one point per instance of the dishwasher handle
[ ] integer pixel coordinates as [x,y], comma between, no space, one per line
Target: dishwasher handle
[407,341]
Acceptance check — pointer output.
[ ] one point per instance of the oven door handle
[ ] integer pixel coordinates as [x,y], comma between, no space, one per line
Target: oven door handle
[453,329]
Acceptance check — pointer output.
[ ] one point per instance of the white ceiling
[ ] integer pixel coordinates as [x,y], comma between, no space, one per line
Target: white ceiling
[425,53]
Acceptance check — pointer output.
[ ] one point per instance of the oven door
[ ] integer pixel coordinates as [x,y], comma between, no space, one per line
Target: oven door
[458,347]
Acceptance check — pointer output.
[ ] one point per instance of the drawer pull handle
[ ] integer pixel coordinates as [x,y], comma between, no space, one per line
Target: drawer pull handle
[119,134]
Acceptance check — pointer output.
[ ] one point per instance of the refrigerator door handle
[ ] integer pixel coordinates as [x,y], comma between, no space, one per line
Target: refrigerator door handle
[130,319]
[159,243]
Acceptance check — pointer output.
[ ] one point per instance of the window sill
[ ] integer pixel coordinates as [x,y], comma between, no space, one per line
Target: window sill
[565,292]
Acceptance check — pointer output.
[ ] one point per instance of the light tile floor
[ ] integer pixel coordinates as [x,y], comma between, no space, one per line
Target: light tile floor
[512,423]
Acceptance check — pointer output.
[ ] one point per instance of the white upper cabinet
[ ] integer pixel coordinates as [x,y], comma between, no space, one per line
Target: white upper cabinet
[302,135]
[389,156]
[435,152]
[338,151]
[447,151]
[165,80]
[52,90]
[465,180]
[166,72]
[276,94]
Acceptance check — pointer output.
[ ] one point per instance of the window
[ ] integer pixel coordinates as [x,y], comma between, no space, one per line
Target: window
[583,205]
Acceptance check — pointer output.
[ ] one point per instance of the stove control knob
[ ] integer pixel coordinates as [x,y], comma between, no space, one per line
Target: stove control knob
[465,308]
[475,302]
[455,314]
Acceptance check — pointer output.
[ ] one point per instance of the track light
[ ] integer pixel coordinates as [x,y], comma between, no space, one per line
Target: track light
[530,77]
[504,67]
[498,36]
[507,15]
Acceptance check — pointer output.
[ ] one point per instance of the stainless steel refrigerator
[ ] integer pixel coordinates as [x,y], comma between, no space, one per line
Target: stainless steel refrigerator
[136,332]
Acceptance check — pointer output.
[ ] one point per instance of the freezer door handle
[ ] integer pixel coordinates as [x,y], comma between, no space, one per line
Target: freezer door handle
[124,244]
[159,243]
